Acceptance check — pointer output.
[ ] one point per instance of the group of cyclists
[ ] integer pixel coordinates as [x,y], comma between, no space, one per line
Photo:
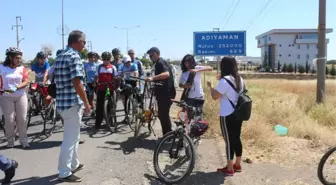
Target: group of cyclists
[98,69]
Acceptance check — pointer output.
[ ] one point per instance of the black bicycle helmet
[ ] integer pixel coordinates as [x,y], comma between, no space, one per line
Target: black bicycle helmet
[58,52]
[106,55]
[90,54]
[13,50]
[115,51]
[41,55]
[95,54]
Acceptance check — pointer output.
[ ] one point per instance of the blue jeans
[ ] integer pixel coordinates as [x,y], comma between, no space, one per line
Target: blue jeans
[5,163]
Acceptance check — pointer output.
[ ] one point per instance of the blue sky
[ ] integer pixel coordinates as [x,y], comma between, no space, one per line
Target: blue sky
[167,24]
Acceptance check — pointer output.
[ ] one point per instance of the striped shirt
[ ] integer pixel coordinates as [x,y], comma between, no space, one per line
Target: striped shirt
[68,66]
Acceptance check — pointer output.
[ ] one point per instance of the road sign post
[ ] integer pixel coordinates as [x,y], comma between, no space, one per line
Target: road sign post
[220,43]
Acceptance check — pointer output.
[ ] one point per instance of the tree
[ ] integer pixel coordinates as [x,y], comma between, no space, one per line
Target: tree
[279,66]
[301,69]
[84,54]
[307,66]
[284,68]
[331,62]
[265,59]
[333,70]
[146,62]
[295,68]
[47,49]
[51,60]
[290,68]
[327,70]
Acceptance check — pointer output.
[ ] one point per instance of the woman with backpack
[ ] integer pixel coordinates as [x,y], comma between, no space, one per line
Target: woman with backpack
[227,91]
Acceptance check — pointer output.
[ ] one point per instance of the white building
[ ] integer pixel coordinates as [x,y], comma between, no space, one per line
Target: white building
[289,46]
[248,60]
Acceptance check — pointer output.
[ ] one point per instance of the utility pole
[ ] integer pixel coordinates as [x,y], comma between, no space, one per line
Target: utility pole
[127,29]
[321,60]
[17,26]
[216,29]
[89,45]
[62,26]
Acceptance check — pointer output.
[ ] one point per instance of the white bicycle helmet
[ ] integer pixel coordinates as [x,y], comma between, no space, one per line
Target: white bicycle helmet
[13,50]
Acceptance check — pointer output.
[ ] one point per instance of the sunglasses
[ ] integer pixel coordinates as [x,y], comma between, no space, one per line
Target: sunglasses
[106,59]
[130,53]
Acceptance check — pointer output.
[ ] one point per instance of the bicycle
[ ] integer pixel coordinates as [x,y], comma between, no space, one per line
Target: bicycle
[110,107]
[185,136]
[146,115]
[332,170]
[36,105]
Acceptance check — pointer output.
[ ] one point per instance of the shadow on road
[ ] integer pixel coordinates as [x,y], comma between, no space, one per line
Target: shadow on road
[196,178]
[131,144]
[50,180]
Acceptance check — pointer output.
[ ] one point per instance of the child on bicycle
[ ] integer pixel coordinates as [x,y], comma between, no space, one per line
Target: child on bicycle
[106,72]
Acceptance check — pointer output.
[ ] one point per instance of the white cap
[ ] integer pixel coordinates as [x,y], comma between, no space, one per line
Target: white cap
[126,59]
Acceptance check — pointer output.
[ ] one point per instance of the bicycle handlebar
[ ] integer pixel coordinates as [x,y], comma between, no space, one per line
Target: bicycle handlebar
[156,83]
[6,91]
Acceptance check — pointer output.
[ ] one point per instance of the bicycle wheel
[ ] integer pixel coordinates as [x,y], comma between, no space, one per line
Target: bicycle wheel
[139,121]
[2,124]
[177,143]
[50,117]
[132,110]
[29,111]
[331,171]
[109,114]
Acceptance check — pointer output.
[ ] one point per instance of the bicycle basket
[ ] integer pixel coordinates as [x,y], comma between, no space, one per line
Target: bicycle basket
[199,128]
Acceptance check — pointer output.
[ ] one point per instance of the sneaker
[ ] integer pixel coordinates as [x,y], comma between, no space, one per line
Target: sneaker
[237,168]
[79,168]
[25,145]
[71,178]
[10,145]
[10,173]
[225,171]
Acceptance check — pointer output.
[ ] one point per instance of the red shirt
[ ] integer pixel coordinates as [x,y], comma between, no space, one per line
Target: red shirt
[106,73]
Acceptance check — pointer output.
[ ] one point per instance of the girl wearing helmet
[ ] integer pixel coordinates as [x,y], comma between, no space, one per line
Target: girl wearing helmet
[106,72]
[14,102]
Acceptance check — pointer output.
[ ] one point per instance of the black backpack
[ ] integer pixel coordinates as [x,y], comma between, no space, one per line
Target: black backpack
[243,108]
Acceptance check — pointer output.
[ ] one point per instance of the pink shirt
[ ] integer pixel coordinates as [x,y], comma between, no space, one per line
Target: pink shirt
[11,77]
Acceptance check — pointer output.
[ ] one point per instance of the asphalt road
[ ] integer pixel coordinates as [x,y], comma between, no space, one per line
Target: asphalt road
[110,159]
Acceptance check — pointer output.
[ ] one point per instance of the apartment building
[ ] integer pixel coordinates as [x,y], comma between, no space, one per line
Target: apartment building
[289,46]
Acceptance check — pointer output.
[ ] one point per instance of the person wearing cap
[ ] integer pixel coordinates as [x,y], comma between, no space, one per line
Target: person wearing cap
[126,70]
[137,62]
[164,93]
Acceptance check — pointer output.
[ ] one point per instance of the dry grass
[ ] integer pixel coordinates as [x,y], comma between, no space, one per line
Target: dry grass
[289,103]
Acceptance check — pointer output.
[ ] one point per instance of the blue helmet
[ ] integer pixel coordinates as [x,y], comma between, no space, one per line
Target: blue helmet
[41,55]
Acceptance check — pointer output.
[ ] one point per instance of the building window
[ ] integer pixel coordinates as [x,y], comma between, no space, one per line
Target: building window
[258,41]
[298,56]
[307,56]
[307,46]
[280,45]
[289,55]
[289,45]
[280,55]
[269,38]
[298,46]
[316,56]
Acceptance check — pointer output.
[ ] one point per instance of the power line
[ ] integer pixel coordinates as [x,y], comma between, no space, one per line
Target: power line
[227,13]
[258,14]
[234,9]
